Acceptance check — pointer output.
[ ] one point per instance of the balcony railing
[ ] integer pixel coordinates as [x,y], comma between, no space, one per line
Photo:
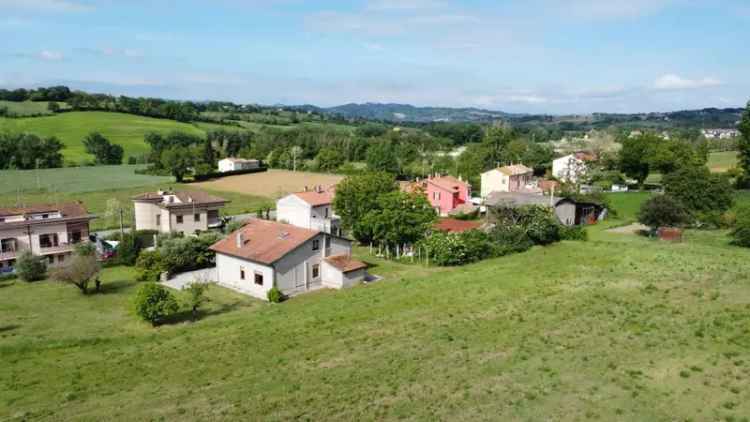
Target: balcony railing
[60,248]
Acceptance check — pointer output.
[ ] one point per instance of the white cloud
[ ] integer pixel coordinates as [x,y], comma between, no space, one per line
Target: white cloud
[608,9]
[672,82]
[404,4]
[45,5]
[48,55]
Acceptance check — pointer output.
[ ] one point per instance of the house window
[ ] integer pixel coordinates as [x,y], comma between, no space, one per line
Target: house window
[60,259]
[2,220]
[259,279]
[75,237]
[197,218]
[242,273]
[49,240]
[51,259]
[328,242]
[326,212]
[316,271]
[158,220]
[8,245]
[316,245]
[179,219]
[45,216]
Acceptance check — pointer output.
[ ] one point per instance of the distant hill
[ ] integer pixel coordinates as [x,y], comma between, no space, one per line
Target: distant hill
[707,118]
[410,113]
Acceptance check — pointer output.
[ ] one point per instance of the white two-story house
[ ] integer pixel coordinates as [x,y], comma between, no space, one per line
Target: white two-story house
[184,212]
[51,231]
[310,210]
[265,254]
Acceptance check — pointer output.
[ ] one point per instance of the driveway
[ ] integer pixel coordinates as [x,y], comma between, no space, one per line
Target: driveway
[183,280]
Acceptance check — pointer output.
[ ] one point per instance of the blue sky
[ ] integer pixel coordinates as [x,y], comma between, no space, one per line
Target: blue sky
[549,56]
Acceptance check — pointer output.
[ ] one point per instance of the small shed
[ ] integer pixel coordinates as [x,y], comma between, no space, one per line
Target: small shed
[341,271]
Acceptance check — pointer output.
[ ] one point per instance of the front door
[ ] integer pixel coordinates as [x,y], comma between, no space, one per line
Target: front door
[299,277]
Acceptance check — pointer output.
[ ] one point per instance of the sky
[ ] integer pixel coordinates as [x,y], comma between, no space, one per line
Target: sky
[531,56]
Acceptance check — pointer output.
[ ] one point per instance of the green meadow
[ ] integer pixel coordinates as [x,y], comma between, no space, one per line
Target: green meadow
[720,162]
[126,130]
[620,328]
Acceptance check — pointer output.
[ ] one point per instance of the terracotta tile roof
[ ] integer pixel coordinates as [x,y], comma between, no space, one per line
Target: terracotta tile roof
[67,209]
[448,183]
[264,241]
[316,198]
[515,170]
[451,225]
[345,263]
[194,197]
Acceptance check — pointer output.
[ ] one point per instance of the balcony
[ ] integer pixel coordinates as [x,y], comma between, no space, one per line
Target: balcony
[58,249]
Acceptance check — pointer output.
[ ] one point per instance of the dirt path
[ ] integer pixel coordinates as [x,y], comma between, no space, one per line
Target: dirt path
[634,228]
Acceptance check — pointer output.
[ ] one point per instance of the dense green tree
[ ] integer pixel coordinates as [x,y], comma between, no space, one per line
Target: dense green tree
[105,152]
[330,159]
[663,211]
[381,157]
[27,151]
[178,161]
[666,156]
[634,156]
[398,219]
[743,144]
[699,191]
[356,195]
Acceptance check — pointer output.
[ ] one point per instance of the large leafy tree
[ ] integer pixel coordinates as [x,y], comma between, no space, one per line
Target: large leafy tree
[102,149]
[178,161]
[381,157]
[634,156]
[744,142]
[699,190]
[662,211]
[357,195]
[400,218]
[330,159]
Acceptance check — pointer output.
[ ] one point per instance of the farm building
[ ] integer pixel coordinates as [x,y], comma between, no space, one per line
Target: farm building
[266,254]
[178,212]
[568,211]
[237,164]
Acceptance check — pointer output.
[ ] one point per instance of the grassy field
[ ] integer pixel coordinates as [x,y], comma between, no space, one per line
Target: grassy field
[123,129]
[28,108]
[621,328]
[720,162]
[75,179]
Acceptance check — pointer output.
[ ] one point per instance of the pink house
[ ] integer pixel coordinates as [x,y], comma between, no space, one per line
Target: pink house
[446,193]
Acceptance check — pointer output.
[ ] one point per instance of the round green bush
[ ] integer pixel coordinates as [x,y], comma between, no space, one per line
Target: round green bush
[154,303]
[30,267]
[275,296]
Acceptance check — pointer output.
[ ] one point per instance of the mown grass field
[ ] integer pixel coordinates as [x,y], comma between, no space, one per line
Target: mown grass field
[96,186]
[123,129]
[28,108]
[720,162]
[620,328]
[75,179]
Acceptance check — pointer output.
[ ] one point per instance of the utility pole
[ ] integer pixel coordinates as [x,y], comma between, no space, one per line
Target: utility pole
[122,227]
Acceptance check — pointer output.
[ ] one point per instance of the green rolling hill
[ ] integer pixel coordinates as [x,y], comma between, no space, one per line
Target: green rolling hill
[123,129]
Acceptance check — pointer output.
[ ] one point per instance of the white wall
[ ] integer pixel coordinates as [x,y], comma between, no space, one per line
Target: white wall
[228,274]
[292,210]
[294,271]
[494,181]
[145,216]
[568,168]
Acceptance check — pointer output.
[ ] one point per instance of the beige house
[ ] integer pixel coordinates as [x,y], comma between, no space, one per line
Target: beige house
[178,212]
[310,210]
[265,254]
[513,178]
[51,231]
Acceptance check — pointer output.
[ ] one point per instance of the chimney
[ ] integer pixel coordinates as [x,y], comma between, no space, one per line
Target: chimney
[240,241]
